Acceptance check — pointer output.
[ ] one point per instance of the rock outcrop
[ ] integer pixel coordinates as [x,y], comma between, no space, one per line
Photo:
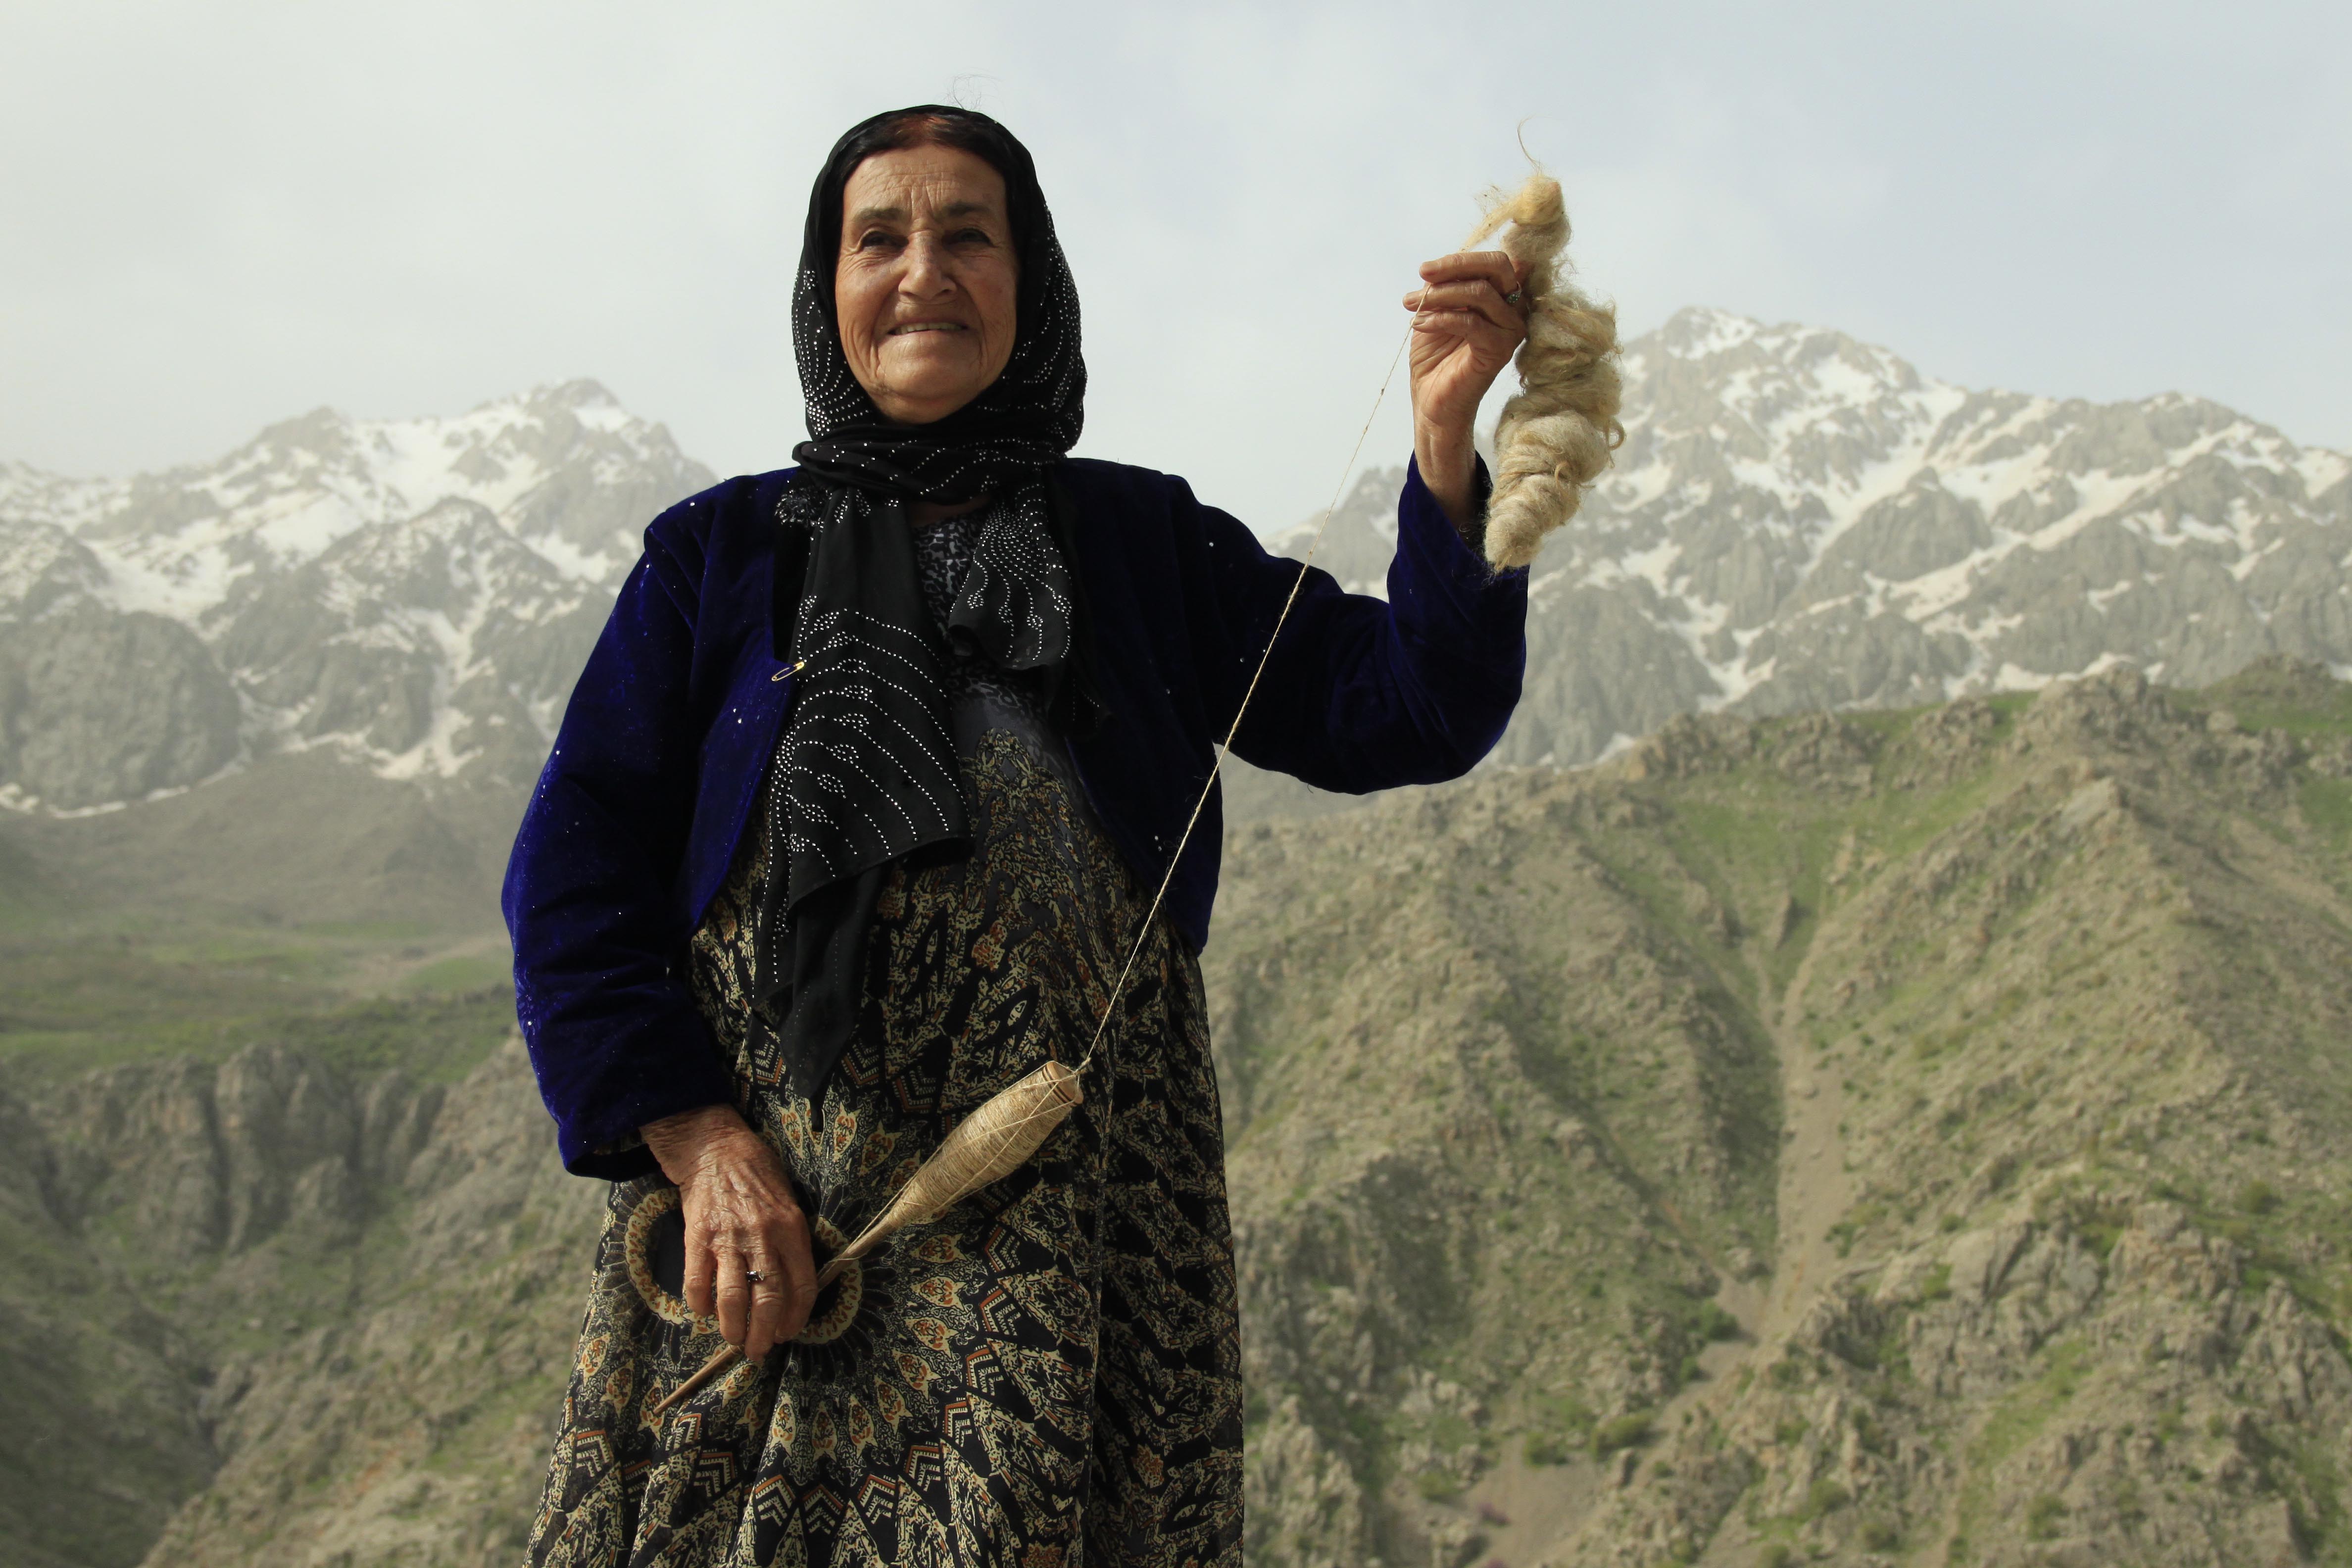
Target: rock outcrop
[98,706]
[329,1312]
[415,596]
[1800,521]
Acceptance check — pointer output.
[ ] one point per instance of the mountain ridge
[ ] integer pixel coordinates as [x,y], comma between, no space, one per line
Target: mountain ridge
[1798,520]
[416,594]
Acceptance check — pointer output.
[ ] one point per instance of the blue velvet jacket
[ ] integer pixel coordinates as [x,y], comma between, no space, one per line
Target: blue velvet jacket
[664,748]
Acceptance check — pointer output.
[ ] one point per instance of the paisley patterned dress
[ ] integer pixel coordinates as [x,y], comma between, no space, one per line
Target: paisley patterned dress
[1047,1375]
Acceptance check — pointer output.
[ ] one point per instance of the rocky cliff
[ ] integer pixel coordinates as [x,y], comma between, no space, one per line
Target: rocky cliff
[1913,1137]
[276,1313]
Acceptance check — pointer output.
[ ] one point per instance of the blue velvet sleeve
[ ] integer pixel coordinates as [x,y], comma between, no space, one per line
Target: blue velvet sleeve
[590,895]
[1362,694]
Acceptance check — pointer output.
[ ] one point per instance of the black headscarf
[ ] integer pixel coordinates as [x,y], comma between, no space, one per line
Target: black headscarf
[865,772]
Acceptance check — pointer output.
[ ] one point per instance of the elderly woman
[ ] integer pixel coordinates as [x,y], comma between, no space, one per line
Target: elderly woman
[856,815]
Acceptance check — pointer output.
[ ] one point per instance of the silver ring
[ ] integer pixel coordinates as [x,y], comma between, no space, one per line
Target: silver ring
[754,1275]
[1512,297]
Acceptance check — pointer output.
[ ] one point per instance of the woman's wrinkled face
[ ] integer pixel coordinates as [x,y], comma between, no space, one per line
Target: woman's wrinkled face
[926,285]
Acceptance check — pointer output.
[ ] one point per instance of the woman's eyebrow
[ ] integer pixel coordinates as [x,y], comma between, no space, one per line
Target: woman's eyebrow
[898,214]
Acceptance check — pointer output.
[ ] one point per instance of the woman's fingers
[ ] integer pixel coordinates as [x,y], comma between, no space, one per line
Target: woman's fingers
[1474,265]
[786,1289]
[734,1293]
[1472,299]
[1464,315]
[1479,274]
[767,1325]
[1483,336]
[799,1259]
[699,1263]
[1462,297]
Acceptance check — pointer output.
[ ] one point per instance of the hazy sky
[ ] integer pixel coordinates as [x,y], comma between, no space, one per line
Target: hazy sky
[220,216]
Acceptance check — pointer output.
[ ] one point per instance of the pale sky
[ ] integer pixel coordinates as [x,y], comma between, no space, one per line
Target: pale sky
[219,216]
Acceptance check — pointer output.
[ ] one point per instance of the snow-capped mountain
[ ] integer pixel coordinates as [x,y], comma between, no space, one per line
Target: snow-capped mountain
[1797,520]
[1800,521]
[418,592]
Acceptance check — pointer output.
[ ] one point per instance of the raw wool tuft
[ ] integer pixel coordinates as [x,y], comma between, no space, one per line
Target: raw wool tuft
[1555,438]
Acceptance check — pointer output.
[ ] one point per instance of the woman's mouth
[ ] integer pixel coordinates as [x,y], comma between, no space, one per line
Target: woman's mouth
[925,327]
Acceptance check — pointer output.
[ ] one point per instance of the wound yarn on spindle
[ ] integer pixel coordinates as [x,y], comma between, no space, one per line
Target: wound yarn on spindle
[1557,437]
[990,1144]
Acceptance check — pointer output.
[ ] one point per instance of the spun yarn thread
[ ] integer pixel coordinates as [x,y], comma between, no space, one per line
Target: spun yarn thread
[1553,441]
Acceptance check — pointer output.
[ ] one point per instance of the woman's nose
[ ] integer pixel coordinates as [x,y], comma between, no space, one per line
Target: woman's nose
[926,276]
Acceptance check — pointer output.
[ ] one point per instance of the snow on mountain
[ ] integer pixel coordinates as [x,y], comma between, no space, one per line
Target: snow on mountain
[1798,520]
[561,467]
[420,592]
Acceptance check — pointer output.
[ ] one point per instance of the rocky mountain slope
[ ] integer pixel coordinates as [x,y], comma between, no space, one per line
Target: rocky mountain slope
[1914,1137]
[1888,1134]
[1801,521]
[1919,1138]
[1798,521]
[271,1312]
[414,594]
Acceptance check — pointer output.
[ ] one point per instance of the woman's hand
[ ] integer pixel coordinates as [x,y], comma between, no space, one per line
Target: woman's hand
[741,1219]
[1464,332]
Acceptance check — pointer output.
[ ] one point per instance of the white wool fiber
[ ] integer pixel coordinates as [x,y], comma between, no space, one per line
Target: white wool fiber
[1557,437]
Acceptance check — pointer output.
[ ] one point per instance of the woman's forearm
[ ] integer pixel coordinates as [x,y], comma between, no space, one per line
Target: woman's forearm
[1467,323]
[614,1035]
[1449,466]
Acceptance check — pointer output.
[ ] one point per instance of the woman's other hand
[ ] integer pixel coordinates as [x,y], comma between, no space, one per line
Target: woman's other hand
[1465,331]
[741,1219]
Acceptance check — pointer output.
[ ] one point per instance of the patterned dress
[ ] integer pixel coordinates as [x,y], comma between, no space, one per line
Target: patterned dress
[1047,1375]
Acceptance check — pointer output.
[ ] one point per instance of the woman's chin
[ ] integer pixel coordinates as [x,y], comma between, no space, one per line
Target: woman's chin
[920,402]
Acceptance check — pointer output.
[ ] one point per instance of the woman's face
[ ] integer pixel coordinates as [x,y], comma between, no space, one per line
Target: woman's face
[927,283]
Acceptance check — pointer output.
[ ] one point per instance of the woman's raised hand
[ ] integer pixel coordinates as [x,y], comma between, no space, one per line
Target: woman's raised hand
[741,1220]
[1465,331]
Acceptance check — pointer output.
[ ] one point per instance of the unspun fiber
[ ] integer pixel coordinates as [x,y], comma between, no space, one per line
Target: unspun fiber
[1558,436]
